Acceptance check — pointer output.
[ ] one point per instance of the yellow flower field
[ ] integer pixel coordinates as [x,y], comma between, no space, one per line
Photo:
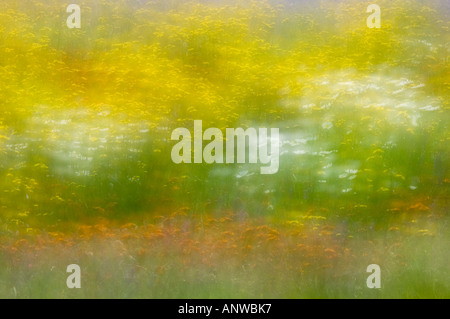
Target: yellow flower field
[86,175]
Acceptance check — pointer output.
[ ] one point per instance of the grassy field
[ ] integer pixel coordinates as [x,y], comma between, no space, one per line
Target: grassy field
[179,256]
[86,175]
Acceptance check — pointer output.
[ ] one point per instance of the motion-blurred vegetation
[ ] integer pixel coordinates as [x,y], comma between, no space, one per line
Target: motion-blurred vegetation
[86,114]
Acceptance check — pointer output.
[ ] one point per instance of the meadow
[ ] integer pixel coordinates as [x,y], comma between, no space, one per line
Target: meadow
[86,175]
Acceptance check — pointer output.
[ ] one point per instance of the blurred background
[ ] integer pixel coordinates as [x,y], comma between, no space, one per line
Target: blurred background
[86,117]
